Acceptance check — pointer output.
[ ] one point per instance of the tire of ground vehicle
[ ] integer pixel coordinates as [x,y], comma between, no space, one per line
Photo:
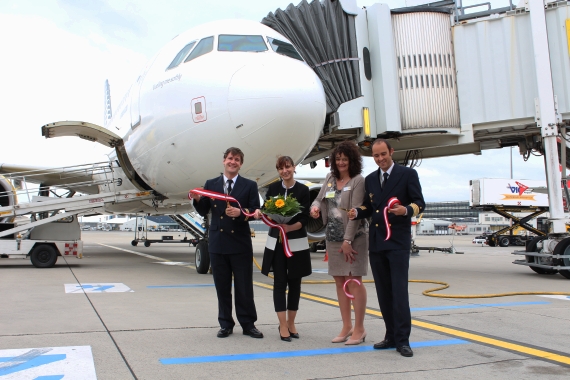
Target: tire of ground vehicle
[531,247]
[43,256]
[313,247]
[563,248]
[504,241]
[134,243]
[202,257]
[147,244]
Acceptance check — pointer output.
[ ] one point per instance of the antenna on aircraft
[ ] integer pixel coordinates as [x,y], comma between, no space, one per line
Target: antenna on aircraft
[108,110]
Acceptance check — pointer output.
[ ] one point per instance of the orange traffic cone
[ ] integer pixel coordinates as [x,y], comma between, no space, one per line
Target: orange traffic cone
[326,256]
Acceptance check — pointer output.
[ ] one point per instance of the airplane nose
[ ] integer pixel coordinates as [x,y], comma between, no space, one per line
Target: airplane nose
[280,99]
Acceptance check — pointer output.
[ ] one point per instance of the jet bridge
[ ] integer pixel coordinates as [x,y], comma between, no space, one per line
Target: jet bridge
[432,79]
[438,82]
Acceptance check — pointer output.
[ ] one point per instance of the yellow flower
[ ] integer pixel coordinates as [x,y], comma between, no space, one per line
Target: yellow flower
[268,203]
[279,203]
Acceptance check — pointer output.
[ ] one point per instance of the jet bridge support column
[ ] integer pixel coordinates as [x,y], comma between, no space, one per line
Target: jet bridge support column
[546,113]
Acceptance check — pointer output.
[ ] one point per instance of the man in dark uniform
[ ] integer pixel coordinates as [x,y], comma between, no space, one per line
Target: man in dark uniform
[390,259]
[229,244]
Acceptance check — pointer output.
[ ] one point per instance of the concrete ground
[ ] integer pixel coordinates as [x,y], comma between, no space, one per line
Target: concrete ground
[165,327]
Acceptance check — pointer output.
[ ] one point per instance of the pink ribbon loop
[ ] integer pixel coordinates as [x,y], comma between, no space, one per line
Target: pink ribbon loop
[345,289]
[265,218]
[391,203]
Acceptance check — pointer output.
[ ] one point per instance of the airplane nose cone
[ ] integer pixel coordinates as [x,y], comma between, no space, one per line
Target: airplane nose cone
[280,99]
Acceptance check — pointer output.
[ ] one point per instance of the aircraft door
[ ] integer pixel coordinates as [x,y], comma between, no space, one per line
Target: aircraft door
[136,96]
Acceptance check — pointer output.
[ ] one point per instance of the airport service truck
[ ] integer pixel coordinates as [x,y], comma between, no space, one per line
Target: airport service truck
[506,197]
[44,243]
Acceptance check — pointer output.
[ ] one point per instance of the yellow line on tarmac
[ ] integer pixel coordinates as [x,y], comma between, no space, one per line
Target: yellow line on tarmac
[518,348]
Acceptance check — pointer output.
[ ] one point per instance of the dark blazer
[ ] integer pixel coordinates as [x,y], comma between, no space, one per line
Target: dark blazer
[300,264]
[404,184]
[226,234]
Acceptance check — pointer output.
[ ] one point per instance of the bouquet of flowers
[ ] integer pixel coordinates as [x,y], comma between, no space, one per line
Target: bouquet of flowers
[280,209]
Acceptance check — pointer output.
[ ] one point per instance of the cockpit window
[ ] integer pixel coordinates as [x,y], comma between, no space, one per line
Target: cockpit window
[205,46]
[284,48]
[241,43]
[181,55]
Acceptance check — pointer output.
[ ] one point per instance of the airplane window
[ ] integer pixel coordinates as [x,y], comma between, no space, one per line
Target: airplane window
[204,47]
[241,43]
[284,48]
[181,55]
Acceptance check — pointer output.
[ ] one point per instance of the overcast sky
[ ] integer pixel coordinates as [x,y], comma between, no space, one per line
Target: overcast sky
[56,55]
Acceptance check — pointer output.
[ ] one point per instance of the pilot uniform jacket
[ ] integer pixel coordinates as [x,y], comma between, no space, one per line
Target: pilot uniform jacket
[404,184]
[229,235]
[300,264]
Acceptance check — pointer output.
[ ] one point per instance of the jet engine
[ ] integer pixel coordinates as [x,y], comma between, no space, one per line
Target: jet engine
[7,197]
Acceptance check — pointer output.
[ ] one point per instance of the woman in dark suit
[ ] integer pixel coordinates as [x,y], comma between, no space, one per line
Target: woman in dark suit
[288,272]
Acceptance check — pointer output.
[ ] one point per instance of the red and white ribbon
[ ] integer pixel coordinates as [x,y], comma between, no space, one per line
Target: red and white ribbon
[265,218]
[346,283]
[391,203]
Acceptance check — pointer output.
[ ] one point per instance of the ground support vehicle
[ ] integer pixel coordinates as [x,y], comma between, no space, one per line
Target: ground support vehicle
[501,238]
[46,227]
[192,223]
[45,243]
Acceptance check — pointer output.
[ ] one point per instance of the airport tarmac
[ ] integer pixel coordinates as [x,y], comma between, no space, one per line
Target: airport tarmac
[145,313]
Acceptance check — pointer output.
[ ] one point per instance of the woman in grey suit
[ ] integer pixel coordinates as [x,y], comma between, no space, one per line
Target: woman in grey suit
[347,242]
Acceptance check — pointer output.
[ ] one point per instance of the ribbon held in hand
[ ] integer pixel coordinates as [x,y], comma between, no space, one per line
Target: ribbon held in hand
[346,283]
[391,203]
[265,218]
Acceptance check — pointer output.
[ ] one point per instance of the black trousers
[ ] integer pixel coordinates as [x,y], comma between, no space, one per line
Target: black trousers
[240,266]
[281,299]
[390,271]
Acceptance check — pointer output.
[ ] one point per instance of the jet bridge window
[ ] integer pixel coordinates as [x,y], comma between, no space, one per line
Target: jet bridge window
[228,42]
[285,48]
[205,46]
[181,55]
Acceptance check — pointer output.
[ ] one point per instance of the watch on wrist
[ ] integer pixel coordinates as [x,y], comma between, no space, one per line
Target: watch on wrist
[349,242]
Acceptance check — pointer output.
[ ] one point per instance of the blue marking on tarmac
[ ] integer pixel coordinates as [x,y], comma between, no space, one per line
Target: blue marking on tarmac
[180,286]
[291,354]
[54,377]
[98,288]
[34,362]
[479,305]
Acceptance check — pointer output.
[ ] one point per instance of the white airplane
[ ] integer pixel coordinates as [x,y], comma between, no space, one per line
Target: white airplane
[222,84]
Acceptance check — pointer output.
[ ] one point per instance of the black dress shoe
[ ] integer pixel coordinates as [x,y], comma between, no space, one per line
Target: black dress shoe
[405,351]
[283,338]
[253,332]
[385,344]
[225,332]
[294,335]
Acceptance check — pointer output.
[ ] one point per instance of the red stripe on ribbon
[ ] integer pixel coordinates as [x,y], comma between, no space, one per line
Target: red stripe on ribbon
[391,203]
[346,283]
[265,218]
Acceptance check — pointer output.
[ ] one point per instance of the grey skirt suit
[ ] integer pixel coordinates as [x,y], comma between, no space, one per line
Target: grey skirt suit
[352,196]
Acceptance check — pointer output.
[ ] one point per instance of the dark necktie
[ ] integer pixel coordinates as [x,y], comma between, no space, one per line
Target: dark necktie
[384,181]
[229,187]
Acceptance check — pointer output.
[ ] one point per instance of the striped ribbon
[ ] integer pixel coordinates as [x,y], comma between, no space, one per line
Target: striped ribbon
[266,219]
[391,203]
[346,283]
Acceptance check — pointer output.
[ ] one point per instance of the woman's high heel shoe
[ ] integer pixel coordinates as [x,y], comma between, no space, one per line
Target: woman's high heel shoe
[352,342]
[340,339]
[293,335]
[283,338]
